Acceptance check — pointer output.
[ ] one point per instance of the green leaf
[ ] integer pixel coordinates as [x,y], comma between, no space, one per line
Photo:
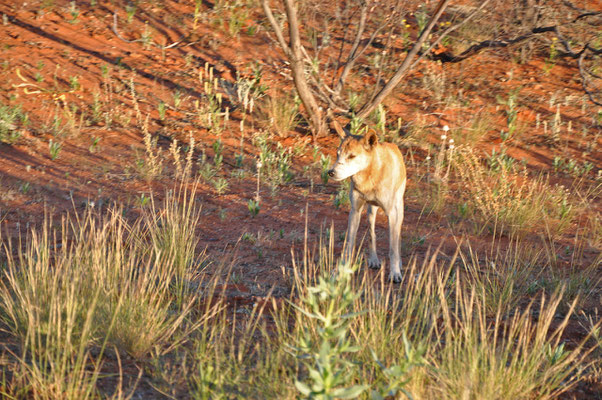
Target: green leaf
[350,392]
[324,350]
[315,375]
[352,349]
[395,371]
[303,388]
[376,396]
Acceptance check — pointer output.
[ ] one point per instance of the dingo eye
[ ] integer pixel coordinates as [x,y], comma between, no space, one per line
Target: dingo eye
[351,156]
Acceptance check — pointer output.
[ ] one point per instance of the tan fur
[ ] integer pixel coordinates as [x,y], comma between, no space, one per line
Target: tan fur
[378,179]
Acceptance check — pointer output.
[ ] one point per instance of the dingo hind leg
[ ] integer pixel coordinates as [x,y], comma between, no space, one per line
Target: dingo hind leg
[395,222]
[373,261]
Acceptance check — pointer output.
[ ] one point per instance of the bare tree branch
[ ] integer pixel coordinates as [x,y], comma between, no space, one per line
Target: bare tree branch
[351,62]
[116,32]
[448,31]
[275,27]
[348,64]
[318,82]
[501,43]
[585,80]
[587,14]
[295,55]
[490,44]
[314,91]
[405,65]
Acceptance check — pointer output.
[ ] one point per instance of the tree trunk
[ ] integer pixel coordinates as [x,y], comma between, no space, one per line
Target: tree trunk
[294,54]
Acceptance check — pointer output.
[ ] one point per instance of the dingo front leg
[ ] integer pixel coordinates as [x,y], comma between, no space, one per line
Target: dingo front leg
[357,205]
[373,261]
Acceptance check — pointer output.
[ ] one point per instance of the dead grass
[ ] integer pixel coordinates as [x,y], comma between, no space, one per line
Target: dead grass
[509,201]
[139,287]
[97,303]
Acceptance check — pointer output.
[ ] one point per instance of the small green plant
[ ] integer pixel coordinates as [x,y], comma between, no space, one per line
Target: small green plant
[142,200]
[342,196]
[325,166]
[222,214]
[105,71]
[551,60]
[130,10]
[421,18]
[206,170]
[177,99]
[571,166]
[435,80]
[275,161]
[10,117]
[209,110]
[252,30]
[217,150]
[253,206]
[500,160]
[147,37]
[55,149]
[380,116]
[96,107]
[94,146]
[329,312]
[161,109]
[236,21]
[221,185]
[329,305]
[197,13]
[74,83]
[24,187]
[74,12]
[463,210]
[511,112]
[238,160]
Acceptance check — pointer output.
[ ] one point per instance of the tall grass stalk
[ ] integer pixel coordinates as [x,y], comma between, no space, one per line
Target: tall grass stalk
[452,329]
[520,357]
[100,280]
[442,334]
[42,304]
[511,202]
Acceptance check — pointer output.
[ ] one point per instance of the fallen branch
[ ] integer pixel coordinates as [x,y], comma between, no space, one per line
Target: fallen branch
[501,43]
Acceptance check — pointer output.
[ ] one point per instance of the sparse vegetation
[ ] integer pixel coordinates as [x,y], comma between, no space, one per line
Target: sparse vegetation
[350,333]
[9,118]
[510,201]
[281,114]
[54,149]
[168,228]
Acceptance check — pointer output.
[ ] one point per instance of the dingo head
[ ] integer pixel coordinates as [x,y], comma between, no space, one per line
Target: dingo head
[353,155]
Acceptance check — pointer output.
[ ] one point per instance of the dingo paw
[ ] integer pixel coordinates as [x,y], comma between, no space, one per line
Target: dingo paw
[374,263]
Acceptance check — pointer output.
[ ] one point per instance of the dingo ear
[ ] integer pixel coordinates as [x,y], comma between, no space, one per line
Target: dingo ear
[370,139]
[343,133]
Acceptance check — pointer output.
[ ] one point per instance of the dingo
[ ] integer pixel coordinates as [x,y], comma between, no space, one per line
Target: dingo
[378,177]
